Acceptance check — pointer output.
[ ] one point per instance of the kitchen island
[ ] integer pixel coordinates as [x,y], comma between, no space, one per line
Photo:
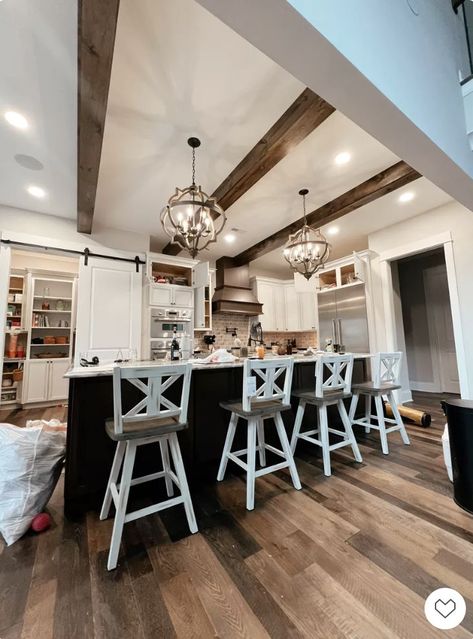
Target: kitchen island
[90,451]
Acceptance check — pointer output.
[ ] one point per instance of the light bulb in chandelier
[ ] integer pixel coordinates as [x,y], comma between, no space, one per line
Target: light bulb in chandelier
[191,218]
[306,250]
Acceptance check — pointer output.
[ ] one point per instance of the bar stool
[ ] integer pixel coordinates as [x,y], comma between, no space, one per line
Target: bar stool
[330,392]
[154,419]
[262,398]
[386,368]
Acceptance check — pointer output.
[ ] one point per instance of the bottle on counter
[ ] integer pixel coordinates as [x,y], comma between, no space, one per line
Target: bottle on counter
[174,348]
[289,347]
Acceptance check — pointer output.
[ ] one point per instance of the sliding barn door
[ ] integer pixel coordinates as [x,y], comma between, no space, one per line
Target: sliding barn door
[108,309]
[5,257]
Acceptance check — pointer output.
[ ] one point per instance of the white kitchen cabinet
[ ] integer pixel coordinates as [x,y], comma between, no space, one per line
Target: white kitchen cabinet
[265,294]
[308,311]
[285,309]
[58,385]
[203,304]
[44,380]
[160,295]
[293,310]
[169,295]
[36,381]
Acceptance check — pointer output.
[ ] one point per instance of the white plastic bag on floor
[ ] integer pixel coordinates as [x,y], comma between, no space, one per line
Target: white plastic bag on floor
[29,459]
[446,452]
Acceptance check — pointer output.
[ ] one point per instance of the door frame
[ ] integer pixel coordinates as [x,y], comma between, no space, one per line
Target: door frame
[421,246]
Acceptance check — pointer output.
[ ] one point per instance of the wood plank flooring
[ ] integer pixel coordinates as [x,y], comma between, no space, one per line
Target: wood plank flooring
[353,555]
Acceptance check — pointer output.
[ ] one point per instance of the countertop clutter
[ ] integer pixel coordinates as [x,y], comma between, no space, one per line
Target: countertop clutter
[107,368]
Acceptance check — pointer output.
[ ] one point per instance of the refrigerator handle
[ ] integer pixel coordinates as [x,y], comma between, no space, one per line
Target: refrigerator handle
[340,338]
[334,331]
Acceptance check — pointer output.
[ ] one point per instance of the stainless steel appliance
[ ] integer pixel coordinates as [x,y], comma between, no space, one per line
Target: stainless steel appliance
[343,318]
[163,323]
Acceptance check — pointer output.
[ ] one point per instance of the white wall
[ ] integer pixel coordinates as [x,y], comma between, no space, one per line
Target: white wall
[393,73]
[57,230]
[452,218]
[413,60]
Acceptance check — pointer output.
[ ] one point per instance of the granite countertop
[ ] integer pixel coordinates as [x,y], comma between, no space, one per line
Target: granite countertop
[107,368]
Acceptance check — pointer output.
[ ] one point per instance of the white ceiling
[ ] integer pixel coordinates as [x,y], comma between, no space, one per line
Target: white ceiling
[355,227]
[178,71]
[38,72]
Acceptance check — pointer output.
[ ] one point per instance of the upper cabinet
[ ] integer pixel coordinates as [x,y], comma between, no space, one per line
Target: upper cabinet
[284,308]
[345,272]
[174,283]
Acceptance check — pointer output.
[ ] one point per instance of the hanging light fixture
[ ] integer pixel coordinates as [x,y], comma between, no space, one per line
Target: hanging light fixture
[191,218]
[307,250]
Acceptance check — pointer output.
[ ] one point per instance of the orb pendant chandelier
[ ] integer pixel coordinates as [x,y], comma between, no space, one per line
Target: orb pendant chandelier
[307,250]
[192,218]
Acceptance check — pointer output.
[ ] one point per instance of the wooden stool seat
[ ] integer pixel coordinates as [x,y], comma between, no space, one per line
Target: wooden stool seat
[330,397]
[264,409]
[151,427]
[386,369]
[155,419]
[370,389]
[333,390]
[262,398]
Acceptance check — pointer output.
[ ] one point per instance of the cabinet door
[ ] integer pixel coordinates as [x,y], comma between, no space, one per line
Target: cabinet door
[183,297]
[108,308]
[293,321]
[58,386]
[308,311]
[279,301]
[199,307]
[37,381]
[160,296]
[200,275]
[266,298]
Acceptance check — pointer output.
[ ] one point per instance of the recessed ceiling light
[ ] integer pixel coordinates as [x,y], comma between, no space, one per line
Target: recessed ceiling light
[36,191]
[333,230]
[407,196]
[16,119]
[342,158]
[230,238]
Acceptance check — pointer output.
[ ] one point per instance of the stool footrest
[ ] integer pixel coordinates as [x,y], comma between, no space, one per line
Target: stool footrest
[154,508]
[271,469]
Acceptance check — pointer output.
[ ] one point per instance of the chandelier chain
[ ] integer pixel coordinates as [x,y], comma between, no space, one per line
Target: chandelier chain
[193,167]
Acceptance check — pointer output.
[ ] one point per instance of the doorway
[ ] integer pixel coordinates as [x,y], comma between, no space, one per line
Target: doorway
[427,322]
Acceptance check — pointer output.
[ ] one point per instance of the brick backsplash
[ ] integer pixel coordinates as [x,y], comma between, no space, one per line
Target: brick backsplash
[225,340]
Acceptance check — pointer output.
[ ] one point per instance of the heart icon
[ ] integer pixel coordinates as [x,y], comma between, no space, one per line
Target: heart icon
[445,608]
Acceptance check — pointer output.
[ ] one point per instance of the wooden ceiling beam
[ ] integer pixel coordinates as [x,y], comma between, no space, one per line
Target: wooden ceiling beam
[304,115]
[97,28]
[381,184]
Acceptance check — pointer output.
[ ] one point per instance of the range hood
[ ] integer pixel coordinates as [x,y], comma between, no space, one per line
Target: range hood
[233,293]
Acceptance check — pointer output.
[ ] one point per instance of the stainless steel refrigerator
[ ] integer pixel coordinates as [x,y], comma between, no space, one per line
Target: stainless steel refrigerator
[343,318]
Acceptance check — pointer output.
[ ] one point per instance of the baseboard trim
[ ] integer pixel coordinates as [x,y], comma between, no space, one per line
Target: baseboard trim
[425,387]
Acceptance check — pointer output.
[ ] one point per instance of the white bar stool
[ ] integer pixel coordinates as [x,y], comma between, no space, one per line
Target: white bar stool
[386,369]
[155,419]
[334,390]
[262,398]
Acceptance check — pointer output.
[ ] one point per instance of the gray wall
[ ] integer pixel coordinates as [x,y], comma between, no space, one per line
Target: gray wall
[415,314]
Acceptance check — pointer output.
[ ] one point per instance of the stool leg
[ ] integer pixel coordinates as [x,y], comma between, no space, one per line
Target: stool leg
[286,448]
[117,464]
[382,427]
[122,504]
[250,464]
[227,447]
[183,485]
[368,413]
[163,445]
[324,440]
[398,418]
[262,450]
[349,431]
[353,406]
[297,425]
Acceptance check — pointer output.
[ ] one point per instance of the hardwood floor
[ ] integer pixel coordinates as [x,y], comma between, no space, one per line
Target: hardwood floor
[352,555]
